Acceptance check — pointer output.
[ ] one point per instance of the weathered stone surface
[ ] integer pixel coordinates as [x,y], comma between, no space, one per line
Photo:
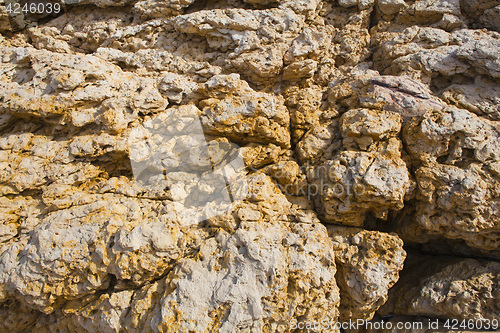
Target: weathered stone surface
[457,247]
[388,7]
[366,88]
[148,9]
[306,109]
[482,98]
[424,52]
[83,247]
[247,116]
[79,89]
[369,176]
[445,15]
[361,182]
[448,288]
[16,318]
[368,266]
[5,24]
[254,41]
[268,266]
[483,13]
[170,165]
[457,154]
[489,18]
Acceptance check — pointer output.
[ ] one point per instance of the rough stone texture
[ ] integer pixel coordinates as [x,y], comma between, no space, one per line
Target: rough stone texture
[425,52]
[254,41]
[447,288]
[239,165]
[291,266]
[368,176]
[458,177]
[368,265]
[482,98]
[78,89]
[482,13]
[272,283]
[244,115]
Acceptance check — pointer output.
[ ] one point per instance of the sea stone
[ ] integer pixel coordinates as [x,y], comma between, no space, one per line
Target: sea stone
[247,165]
[368,266]
[447,287]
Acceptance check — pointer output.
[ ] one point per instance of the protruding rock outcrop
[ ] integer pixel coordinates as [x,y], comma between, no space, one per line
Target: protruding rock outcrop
[248,165]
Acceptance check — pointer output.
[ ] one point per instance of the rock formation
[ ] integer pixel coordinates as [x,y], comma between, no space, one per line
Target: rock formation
[248,165]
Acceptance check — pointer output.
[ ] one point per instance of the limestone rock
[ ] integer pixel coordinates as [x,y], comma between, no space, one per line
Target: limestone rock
[482,98]
[368,266]
[79,88]
[305,107]
[250,282]
[348,194]
[369,176]
[453,181]
[5,24]
[361,128]
[258,117]
[83,259]
[262,290]
[319,141]
[489,19]
[16,318]
[311,43]
[243,114]
[368,89]
[389,7]
[482,13]
[467,52]
[264,274]
[256,40]
[443,14]
[148,9]
[299,70]
[360,4]
[256,155]
[247,165]
[449,288]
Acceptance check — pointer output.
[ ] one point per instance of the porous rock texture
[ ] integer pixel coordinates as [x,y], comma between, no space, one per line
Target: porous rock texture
[448,288]
[248,165]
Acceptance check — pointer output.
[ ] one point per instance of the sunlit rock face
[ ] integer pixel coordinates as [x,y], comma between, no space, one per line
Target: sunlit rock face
[248,165]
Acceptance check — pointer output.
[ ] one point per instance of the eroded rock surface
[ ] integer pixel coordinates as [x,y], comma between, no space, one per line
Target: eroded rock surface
[449,288]
[242,165]
[457,176]
[368,266]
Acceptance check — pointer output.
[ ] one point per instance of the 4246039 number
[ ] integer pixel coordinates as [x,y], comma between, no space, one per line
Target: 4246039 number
[33,8]
[472,324]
